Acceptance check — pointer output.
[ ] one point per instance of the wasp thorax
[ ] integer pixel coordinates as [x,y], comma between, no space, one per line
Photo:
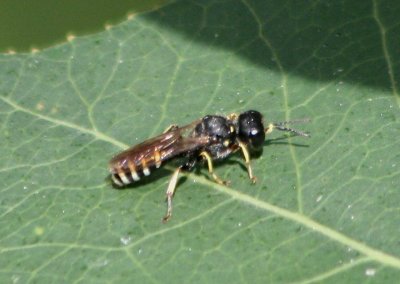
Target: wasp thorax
[251,128]
[217,128]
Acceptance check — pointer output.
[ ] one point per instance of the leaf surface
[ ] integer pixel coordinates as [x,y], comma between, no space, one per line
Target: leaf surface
[324,209]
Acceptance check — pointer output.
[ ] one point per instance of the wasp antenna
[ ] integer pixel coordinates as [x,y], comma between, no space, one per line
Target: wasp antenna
[297,132]
[302,120]
[281,126]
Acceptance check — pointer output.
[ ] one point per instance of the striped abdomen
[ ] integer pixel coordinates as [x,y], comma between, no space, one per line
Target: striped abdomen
[126,169]
[136,162]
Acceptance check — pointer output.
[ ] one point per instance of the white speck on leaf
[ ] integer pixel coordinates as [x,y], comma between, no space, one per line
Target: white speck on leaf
[99,263]
[125,240]
[370,271]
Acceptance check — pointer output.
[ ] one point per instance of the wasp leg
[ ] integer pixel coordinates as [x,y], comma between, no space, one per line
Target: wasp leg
[211,170]
[171,127]
[170,194]
[247,161]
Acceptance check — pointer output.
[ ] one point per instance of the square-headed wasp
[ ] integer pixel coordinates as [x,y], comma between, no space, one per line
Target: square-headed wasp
[212,137]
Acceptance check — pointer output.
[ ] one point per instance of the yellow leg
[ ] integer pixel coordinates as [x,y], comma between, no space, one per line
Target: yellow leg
[211,170]
[170,194]
[247,161]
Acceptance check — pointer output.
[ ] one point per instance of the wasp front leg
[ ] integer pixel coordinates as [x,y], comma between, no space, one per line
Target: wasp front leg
[246,155]
[211,169]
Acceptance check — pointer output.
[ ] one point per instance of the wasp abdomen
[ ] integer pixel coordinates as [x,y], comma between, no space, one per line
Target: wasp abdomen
[126,169]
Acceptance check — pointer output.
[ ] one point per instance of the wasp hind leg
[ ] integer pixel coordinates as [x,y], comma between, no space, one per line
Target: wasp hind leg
[247,161]
[211,169]
[170,194]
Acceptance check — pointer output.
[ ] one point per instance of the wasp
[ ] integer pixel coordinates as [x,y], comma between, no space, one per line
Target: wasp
[210,138]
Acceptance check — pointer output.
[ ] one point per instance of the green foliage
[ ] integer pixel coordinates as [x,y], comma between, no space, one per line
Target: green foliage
[324,209]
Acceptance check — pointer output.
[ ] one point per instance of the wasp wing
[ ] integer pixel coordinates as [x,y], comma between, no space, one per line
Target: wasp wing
[154,151]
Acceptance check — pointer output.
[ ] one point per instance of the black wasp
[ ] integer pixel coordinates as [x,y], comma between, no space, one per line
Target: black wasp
[212,137]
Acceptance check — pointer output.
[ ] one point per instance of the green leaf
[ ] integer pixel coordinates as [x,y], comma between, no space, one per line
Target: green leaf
[324,209]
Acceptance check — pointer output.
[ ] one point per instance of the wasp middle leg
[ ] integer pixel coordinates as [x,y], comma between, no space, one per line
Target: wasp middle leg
[211,169]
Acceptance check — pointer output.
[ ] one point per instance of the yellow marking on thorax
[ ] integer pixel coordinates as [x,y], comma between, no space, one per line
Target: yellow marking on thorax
[232,116]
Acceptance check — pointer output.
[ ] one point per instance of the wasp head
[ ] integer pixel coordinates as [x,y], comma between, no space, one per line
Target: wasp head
[251,129]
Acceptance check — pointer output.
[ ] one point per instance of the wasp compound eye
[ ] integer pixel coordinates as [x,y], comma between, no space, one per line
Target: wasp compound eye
[251,128]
